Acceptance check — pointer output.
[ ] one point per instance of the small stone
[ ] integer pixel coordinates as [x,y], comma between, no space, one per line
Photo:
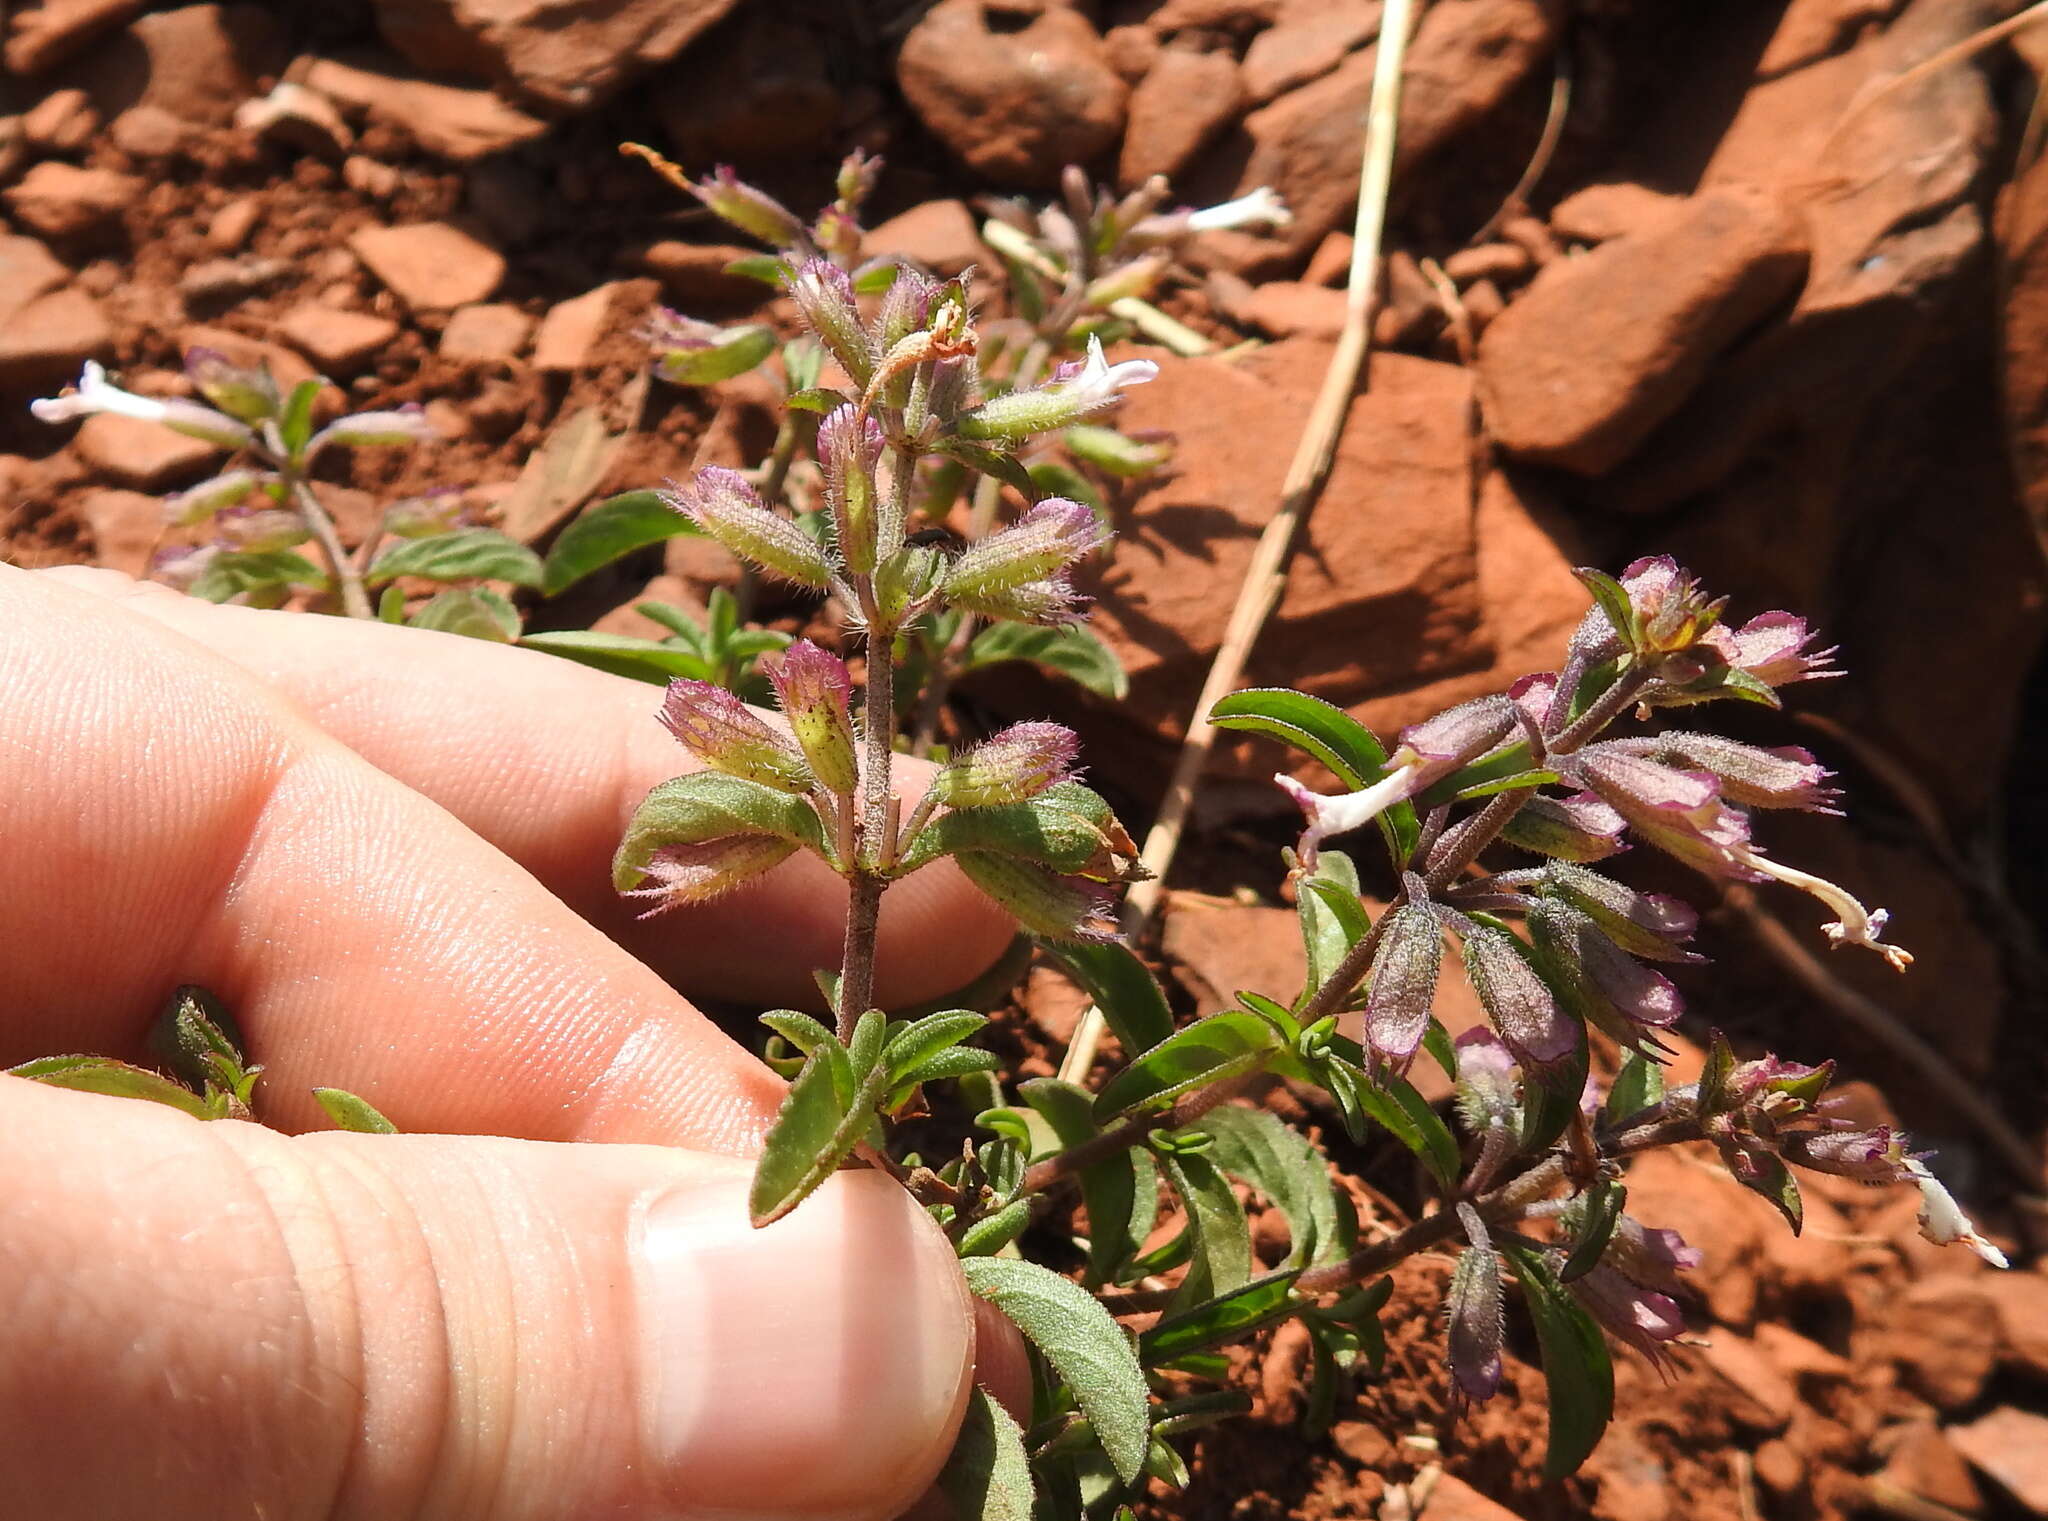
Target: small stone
[219,282]
[494,334]
[1015,102]
[1799,1356]
[1769,1397]
[1534,237]
[1131,51]
[340,342]
[144,455]
[41,36]
[150,133]
[448,121]
[693,276]
[1483,302]
[1330,264]
[1176,111]
[126,526]
[1306,46]
[61,122]
[448,420]
[1599,213]
[1780,1469]
[1362,1442]
[1925,1463]
[430,266]
[1502,263]
[940,235]
[371,177]
[64,201]
[1285,308]
[2021,1301]
[2012,1446]
[45,341]
[296,117]
[230,226]
[204,60]
[1945,1340]
[1455,1500]
[761,88]
[27,270]
[571,331]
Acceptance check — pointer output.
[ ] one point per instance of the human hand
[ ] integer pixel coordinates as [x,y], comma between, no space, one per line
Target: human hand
[217,1319]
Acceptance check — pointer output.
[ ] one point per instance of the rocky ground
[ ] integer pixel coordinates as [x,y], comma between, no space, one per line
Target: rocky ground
[1775,303]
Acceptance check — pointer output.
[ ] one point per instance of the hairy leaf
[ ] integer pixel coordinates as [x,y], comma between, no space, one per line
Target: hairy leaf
[608,531]
[1071,652]
[467,554]
[115,1079]
[474,612]
[231,572]
[1639,1084]
[1602,1209]
[1575,1363]
[988,1475]
[1133,1004]
[622,655]
[706,805]
[1220,1238]
[1260,1148]
[1220,1046]
[813,1132]
[350,1112]
[1223,1319]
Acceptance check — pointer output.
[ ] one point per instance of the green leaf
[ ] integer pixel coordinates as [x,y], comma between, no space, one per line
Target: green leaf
[1121,1192]
[814,1131]
[622,655]
[229,573]
[1575,1363]
[991,1234]
[1107,449]
[1077,1336]
[353,1113]
[1772,1180]
[1603,1206]
[102,1074]
[475,612]
[1333,737]
[708,805]
[955,1062]
[1132,1002]
[195,1038]
[1394,1102]
[1070,652]
[467,554]
[928,1036]
[769,269]
[988,1475]
[608,531]
[1220,1046]
[1053,478]
[295,421]
[1332,918]
[1612,598]
[1219,1235]
[876,278]
[1260,1148]
[1637,1085]
[1550,1098]
[737,350]
[1217,1321]
[816,399]
[799,1029]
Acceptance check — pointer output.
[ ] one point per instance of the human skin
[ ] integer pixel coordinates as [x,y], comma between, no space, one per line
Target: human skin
[385,851]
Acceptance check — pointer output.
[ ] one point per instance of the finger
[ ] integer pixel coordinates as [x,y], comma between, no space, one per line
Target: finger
[174,820]
[547,759]
[220,1319]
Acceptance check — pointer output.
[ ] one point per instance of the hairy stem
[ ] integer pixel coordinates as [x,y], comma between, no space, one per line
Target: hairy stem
[355,601]
[1132,1132]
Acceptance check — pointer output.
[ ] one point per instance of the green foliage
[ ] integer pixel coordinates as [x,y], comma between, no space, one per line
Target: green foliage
[607,532]
[1333,737]
[1576,1367]
[467,554]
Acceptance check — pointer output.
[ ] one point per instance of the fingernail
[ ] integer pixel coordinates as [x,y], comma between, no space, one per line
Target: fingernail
[816,1368]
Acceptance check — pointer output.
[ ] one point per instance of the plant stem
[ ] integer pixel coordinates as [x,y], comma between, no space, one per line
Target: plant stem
[1132,1132]
[355,601]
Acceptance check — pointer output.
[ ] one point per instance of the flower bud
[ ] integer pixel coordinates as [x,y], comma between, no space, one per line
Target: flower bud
[1488,1089]
[1476,1326]
[815,691]
[1672,612]
[725,506]
[1069,397]
[838,233]
[1402,984]
[905,582]
[1786,777]
[849,450]
[1051,602]
[1456,735]
[906,309]
[1605,984]
[259,529]
[247,393]
[1680,812]
[1575,828]
[1042,544]
[1877,1155]
[824,295]
[680,874]
[1012,766]
[859,172]
[1516,999]
[1120,454]
[405,425]
[1644,1318]
[1057,907]
[725,734]
[1650,1255]
[1772,648]
[195,504]
[1651,925]
[694,353]
[753,211]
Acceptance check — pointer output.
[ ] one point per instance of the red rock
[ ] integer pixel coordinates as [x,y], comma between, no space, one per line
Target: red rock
[27,270]
[340,342]
[1225,15]
[693,276]
[941,235]
[1798,1356]
[41,36]
[1455,1500]
[1768,1396]
[1362,1442]
[298,118]
[446,120]
[1614,209]
[1502,263]
[61,122]
[1305,45]
[1483,302]
[430,266]
[63,201]
[1602,348]
[141,454]
[570,333]
[1812,29]
[485,334]
[45,341]
[1054,1001]
[1176,111]
[1780,1469]
[1926,1463]
[1131,51]
[1466,57]
[371,176]
[567,53]
[760,87]
[2012,1447]
[2021,1300]
[150,132]
[221,282]
[1286,309]
[1714,1214]
[1945,1340]
[1015,104]
[126,527]
[1330,264]
[230,226]
[1223,949]
[202,61]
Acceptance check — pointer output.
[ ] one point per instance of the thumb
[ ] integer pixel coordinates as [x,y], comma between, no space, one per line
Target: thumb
[213,1319]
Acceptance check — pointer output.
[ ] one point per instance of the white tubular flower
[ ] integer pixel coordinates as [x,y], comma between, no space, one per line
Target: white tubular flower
[1075,392]
[1349,810]
[1857,926]
[94,393]
[1262,208]
[1099,381]
[1942,1220]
